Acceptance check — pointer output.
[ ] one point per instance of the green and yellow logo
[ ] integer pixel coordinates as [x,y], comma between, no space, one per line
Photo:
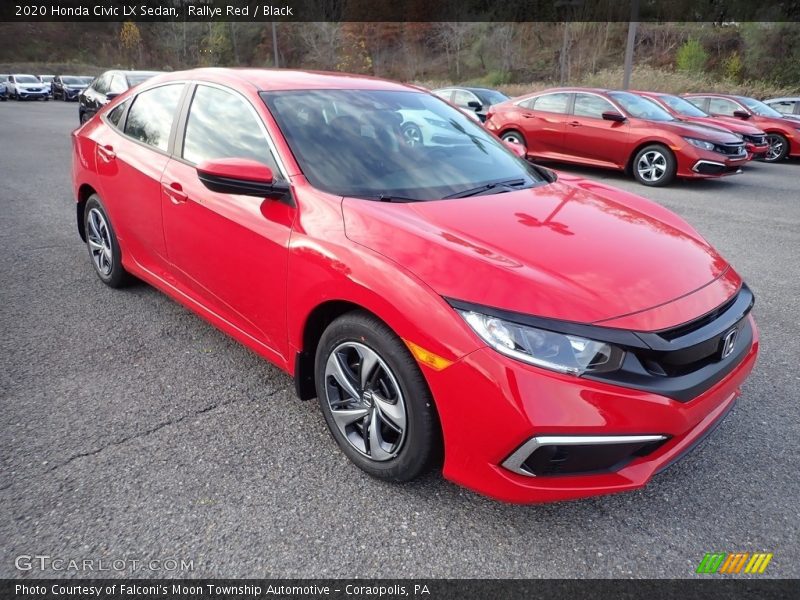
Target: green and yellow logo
[734,562]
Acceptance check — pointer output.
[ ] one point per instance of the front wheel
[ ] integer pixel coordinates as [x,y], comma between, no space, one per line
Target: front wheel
[654,165]
[778,147]
[375,400]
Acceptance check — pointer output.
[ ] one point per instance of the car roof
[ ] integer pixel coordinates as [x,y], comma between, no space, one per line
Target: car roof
[288,79]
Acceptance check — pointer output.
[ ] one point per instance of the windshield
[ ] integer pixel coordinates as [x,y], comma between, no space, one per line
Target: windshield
[86,80]
[71,80]
[402,145]
[641,108]
[46,78]
[27,79]
[681,106]
[491,97]
[759,108]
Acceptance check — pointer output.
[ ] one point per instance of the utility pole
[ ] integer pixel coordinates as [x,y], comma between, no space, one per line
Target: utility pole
[275,43]
[626,77]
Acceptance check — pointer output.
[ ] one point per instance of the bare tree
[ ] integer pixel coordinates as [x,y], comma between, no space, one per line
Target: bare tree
[454,38]
[320,43]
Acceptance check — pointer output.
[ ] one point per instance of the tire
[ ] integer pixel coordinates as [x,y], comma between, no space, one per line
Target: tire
[412,134]
[396,398]
[778,148]
[82,117]
[654,166]
[101,242]
[515,137]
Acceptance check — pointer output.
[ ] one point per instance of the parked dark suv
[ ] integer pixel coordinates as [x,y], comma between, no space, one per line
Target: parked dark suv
[107,87]
[69,87]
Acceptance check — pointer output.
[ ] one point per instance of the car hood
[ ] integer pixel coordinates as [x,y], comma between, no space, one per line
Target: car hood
[573,250]
[698,130]
[736,125]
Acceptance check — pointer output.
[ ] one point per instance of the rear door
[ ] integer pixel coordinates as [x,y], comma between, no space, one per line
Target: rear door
[543,121]
[723,106]
[231,250]
[132,153]
[590,137]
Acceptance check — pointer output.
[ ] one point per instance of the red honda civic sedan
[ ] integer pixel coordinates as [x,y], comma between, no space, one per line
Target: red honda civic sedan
[615,130]
[783,134]
[538,337]
[755,140]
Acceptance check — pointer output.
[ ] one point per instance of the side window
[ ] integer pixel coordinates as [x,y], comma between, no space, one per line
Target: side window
[117,85]
[589,105]
[445,94]
[786,107]
[699,102]
[152,113]
[554,103]
[221,124]
[115,115]
[721,106]
[462,98]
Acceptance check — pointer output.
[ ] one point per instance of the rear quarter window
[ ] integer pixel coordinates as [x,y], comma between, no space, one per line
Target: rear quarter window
[152,114]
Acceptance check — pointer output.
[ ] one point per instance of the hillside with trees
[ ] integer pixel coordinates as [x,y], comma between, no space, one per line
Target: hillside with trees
[759,58]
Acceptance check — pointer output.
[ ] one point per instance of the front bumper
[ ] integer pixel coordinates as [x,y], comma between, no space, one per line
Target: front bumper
[756,151]
[491,406]
[30,94]
[696,162]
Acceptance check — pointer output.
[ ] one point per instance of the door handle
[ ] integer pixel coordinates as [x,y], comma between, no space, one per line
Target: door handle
[175,192]
[107,152]
[574,124]
[527,116]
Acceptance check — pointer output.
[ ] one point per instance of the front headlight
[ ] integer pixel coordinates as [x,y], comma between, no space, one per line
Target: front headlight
[700,143]
[556,351]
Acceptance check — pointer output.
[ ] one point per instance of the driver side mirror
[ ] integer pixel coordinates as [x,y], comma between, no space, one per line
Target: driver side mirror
[612,115]
[741,114]
[516,148]
[241,176]
[475,105]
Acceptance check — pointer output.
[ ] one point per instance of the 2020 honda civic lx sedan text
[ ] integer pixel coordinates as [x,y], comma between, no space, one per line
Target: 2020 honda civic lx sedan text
[539,337]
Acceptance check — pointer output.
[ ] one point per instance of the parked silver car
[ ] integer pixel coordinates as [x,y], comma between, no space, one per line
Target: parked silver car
[788,106]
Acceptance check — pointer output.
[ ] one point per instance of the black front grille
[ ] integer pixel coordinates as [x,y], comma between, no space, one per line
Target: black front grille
[735,149]
[758,140]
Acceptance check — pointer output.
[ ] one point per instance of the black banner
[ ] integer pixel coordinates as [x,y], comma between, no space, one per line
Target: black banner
[718,11]
[434,589]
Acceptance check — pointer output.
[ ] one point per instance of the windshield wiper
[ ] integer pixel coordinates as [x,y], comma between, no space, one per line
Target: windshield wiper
[506,185]
[394,198]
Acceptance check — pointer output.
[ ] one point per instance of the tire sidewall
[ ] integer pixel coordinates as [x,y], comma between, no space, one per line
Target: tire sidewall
[516,134]
[669,174]
[421,446]
[118,276]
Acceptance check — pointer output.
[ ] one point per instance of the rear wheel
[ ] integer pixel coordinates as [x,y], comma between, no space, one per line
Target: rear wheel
[514,137]
[654,165]
[412,134]
[102,245]
[778,147]
[375,400]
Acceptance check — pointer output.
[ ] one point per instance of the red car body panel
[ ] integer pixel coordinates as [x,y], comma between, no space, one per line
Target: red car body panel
[607,144]
[728,123]
[786,127]
[574,250]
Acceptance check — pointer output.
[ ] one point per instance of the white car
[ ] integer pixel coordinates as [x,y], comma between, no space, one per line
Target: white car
[23,87]
[788,107]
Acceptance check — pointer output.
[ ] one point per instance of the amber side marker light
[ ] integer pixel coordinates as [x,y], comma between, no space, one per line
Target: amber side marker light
[434,361]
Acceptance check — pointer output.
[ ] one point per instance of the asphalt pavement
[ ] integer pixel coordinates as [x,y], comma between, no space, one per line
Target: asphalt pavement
[133,430]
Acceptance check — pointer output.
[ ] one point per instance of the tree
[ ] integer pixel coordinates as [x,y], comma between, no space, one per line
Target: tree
[131,40]
[691,57]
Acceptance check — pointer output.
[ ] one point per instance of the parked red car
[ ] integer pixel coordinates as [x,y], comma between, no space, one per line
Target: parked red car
[445,300]
[615,130]
[783,135]
[755,140]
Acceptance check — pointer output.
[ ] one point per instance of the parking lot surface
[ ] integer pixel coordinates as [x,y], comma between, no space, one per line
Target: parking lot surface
[132,429]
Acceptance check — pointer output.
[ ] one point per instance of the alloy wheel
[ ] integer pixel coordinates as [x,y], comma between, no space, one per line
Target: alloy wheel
[99,241]
[365,401]
[775,150]
[412,134]
[652,165]
[513,138]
